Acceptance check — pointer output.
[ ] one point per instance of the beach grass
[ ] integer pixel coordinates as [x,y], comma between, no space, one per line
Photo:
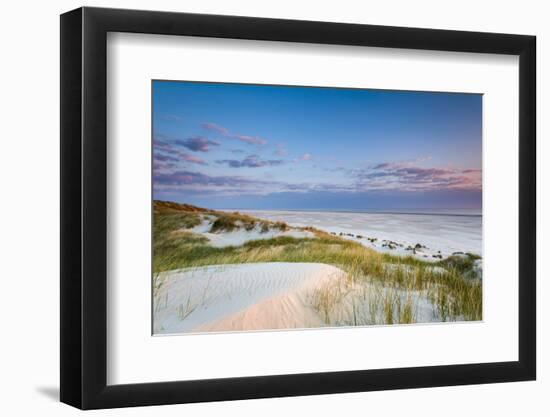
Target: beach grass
[380,288]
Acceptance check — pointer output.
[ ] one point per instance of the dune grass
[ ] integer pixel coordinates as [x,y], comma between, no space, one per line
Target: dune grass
[380,288]
[227,222]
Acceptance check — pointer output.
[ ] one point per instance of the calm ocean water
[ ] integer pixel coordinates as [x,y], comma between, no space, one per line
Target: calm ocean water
[447,231]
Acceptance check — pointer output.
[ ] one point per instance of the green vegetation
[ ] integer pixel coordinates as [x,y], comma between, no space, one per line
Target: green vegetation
[463,263]
[386,286]
[171,207]
[228,222]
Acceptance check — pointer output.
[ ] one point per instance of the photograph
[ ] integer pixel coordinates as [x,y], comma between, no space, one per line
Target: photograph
[269,205]
[288,207]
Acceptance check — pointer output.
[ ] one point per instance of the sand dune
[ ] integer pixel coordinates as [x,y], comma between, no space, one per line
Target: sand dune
[240,297]
[292,288]
[240,236]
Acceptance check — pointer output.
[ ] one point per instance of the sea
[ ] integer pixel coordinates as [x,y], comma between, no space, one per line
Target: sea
[439,231]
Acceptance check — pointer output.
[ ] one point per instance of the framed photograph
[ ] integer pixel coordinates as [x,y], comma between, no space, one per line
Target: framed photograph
[257,208]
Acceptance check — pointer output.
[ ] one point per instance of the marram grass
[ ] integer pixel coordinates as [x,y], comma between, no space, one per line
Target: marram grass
[380,288]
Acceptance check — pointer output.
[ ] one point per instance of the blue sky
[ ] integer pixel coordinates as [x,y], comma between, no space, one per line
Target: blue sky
[254,146]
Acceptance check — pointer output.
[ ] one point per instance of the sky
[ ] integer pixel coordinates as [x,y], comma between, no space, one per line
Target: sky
[241,146]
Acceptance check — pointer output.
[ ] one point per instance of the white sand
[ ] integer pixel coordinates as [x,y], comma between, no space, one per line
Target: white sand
[241,297]
[278,295]
[240,236]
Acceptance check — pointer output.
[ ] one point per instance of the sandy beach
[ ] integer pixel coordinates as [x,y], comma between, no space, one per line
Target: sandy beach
[221,271]
[241,297]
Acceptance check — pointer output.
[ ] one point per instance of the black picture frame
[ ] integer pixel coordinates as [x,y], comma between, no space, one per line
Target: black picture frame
[84,207]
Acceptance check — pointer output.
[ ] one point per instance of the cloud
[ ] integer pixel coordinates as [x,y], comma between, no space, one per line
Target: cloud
[338,169]
[178,156]
[165,152]
[251,140]
[191,182]
[409,176]
[193,159]
[188,177]
[251,161]
[216,128]
[304,157]
[157,166]
[172,118]
[402,164]
[281,150]
[164,158]
[197,143]
[162,145]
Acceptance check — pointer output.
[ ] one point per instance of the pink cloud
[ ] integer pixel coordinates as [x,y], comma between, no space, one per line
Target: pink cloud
[193,159]
[216,128]
[409,176]
[251,140]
